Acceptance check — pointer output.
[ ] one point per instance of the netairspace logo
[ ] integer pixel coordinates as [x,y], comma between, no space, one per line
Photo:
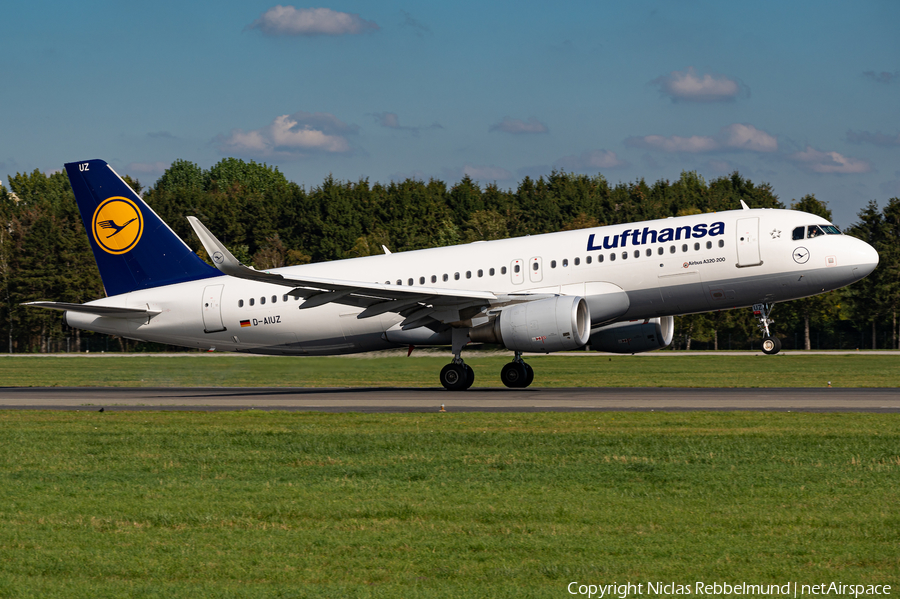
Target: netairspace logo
[722,589]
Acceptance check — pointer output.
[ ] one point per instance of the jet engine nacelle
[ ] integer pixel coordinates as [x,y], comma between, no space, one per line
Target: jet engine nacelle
[634,337]
[548,325]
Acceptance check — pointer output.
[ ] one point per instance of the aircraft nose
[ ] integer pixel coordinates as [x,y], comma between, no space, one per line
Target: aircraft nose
[866,259]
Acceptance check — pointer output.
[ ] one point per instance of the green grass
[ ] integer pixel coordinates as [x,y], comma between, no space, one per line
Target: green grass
[250,504]
[792,370]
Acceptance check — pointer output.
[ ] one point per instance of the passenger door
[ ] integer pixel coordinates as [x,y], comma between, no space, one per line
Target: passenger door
[748,242]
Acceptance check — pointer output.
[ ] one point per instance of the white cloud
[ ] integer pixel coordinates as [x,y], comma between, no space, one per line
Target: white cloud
[829,162]
[747,137]
[298,134]
[519,127]
[737,137]
[689,86]
[675,143]
[287,20]
[596,159]
[879,139]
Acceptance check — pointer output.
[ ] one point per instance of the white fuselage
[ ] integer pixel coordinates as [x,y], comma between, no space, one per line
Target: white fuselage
[667,267]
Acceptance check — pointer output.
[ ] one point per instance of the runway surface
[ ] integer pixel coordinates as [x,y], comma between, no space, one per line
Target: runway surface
[430,400]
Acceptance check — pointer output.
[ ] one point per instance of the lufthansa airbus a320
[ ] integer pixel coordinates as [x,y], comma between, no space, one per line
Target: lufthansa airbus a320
[613,288]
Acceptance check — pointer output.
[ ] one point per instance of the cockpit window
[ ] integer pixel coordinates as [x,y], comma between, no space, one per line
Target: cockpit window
[831,229]
[813,231]
[799,233]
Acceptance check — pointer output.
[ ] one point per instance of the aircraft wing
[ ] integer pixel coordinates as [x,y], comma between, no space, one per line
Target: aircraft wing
[114,311]
[419,305]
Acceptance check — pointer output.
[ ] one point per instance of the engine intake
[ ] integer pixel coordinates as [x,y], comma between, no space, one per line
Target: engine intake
[634,337]
[548,325]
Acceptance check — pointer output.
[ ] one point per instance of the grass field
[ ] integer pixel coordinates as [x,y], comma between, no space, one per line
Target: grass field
[792,370]
[249,504]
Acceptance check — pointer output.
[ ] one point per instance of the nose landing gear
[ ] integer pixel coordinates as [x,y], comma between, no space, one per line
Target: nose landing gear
[771,345]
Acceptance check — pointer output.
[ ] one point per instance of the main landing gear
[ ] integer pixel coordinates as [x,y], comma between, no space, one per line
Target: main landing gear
[517,374]
[771,344]
[459,376]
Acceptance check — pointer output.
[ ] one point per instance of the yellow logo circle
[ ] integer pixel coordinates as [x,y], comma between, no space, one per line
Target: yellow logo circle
[117,225]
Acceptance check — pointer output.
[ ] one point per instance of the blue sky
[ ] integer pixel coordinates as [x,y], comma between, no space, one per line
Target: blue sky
[803,95]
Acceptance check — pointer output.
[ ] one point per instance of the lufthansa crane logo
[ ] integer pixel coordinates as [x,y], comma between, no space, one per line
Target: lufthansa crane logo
[117,225]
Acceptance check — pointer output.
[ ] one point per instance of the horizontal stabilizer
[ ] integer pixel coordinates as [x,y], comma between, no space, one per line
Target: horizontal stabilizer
[113,311]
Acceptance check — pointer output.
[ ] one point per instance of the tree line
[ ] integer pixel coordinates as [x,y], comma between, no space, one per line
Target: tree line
[268,221]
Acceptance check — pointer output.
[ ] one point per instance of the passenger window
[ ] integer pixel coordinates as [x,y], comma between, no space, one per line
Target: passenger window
[274,299]
[649,252]
[696,246]
[399,282]
[421,280]
[446,278]
[577,261]
[480,273]
[456,276]
[553,264]
[709,245]
[252,301]
[599,257]
[624,255]
[468,274]
[798,234]
[434,278]
[262,301]
[517,268]
[240,303]
[502,270]
[683,247]
[588,259]
[284,299]
[534,266]
[637,253]
[721,243]
[660,251]
[671,249]
[491,272]
[565,262]
[612,257]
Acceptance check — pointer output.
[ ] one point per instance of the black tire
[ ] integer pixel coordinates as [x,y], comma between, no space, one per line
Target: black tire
[771,345]
[514,375]
[454,377]
[470,376]
[529,377]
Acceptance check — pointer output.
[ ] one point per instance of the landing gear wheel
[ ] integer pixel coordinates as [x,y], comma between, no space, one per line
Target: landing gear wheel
[771,345]
[529,377]
[515,375]
[455,377]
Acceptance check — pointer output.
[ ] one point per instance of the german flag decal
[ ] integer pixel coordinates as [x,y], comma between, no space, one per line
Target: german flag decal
[245,323]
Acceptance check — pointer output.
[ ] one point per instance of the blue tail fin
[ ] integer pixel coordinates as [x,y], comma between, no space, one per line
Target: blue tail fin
[133,247]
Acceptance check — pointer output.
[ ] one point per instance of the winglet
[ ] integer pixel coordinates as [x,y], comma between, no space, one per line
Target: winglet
[221,257]
[744,205]
[225,260]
